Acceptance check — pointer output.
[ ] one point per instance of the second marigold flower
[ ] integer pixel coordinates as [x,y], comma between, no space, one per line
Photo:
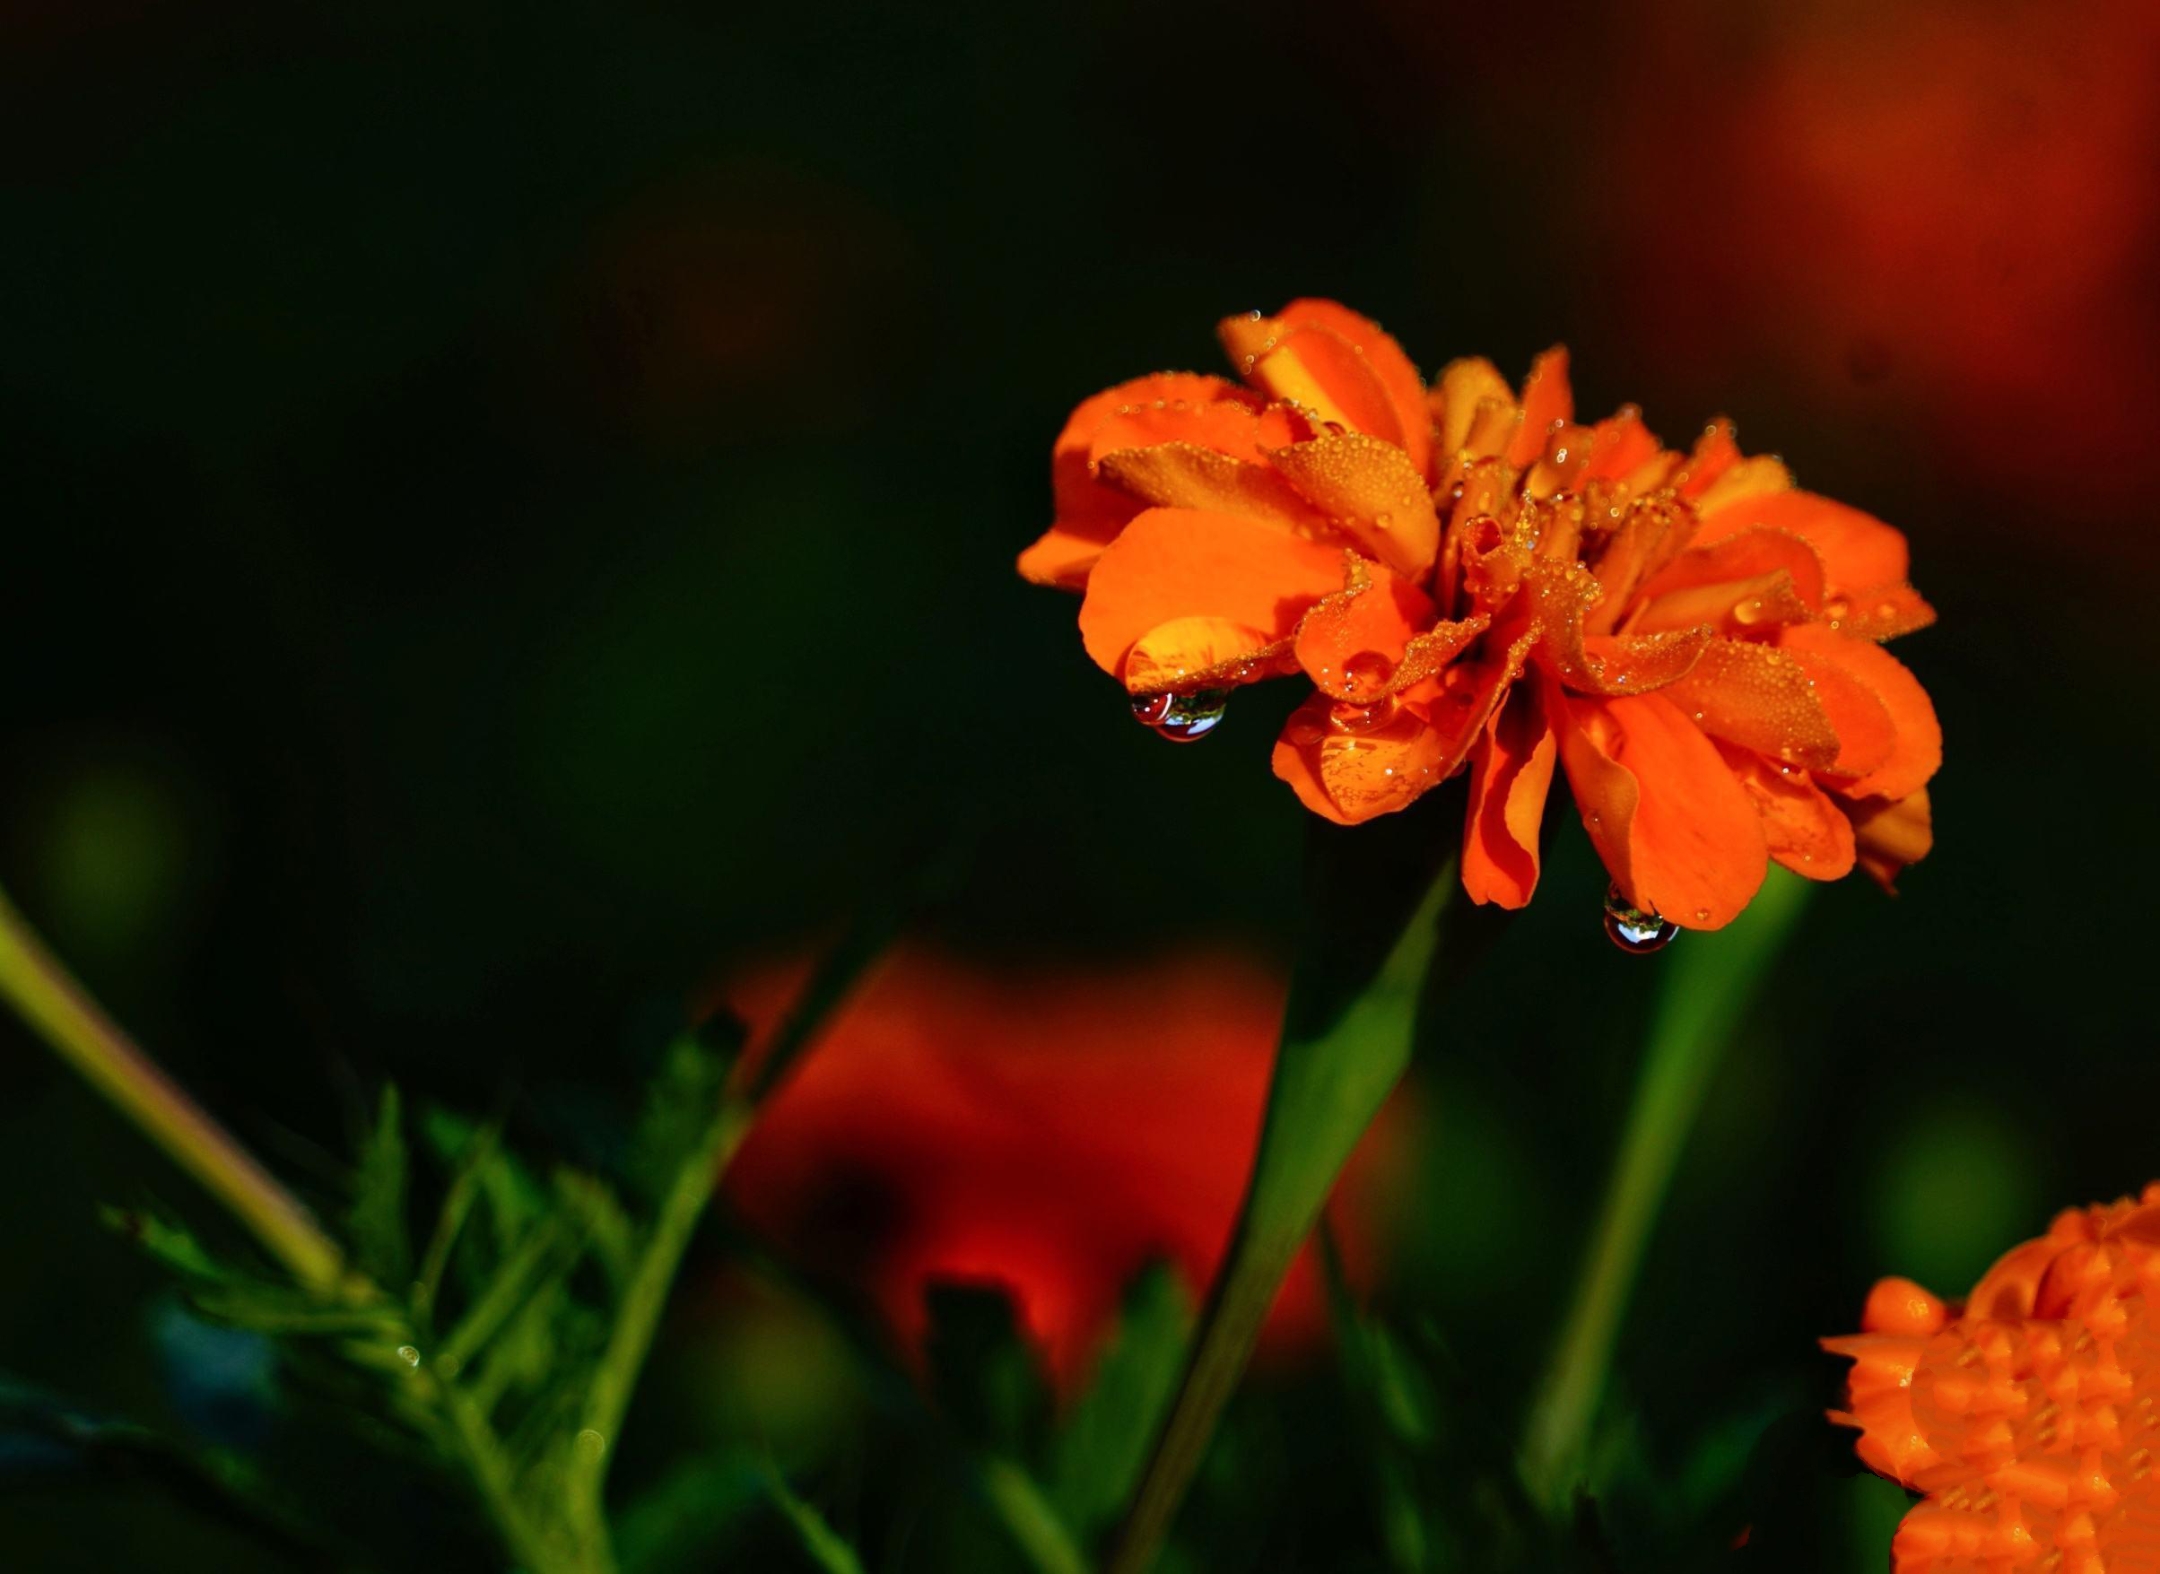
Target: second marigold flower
[1472,580]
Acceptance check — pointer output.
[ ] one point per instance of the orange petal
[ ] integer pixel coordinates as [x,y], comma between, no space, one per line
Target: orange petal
[1184,475]
[1857,549]
[1917,751]
[1559,595]
[1651,534]
[1369,491]
[1805,829]
[1715,452]
[1352,641]
[1677,833]
[1336,366]
[1731,607]
[1746,554]
[1379,350]
[1761,699]
[1743,481]
[1547,400]
[1349,764]
[1899,1306]
[1464,388]
[1510,775]
[1188,654]
[1891,833]
[1168,405]
[1175,563]
[1623,448]
[1882,612]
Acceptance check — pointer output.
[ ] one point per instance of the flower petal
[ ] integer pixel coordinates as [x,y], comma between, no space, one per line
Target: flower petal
[1465,387]
[1349,765]
[1368,490]
[1881,612]
[1174,563]
[1184,475]
[1916,752]
[1511,773]
[1168,406]
[1675,830]
[1806,830]
[1762,699]
[1547,400]
[1338,366]
[1746,554]
[1857,549]
[1891,833]
[1351,643]
[1190,654]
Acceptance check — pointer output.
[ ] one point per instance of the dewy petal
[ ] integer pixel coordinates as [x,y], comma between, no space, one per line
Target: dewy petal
[1806,830]
[1350,774]
[1547,400]
[1676,832]
[1338,366]
[1559,595]
[1351,643]
[1744,481]
[1368,490]
[1653,532]
[1624,449]
[1857,549]
[1184,475]
[1188,654]
[1511,772]
[1745,555]
[1916,753]
[1464,388]
[1761,699]
[1891,833]
[1715,452]
[1206,411]
[1183,563]
[1881,612]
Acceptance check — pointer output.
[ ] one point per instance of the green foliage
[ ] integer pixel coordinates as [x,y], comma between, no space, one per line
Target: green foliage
[1104,1443]
[825,1547]
[382,1245]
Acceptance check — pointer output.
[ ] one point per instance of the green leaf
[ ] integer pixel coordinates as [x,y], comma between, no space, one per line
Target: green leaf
[381,1241]
[982,1373]
[1098,1455]
[679,1108]
[826,1547]
[690,1515]
[167,1243]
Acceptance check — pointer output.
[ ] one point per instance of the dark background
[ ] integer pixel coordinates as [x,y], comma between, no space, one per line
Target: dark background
[511,512]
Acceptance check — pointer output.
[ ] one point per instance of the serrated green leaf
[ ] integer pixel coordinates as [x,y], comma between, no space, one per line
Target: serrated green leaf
[826,1547]
[381,1240]
[541,1259]
[1099,1452]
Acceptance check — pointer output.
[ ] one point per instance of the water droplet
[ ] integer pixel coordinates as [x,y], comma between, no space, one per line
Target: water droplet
[1367,672]
[409,1355]
[1182,718]
[590,1444]
[1383,520]
[1749,611]
[1634,931]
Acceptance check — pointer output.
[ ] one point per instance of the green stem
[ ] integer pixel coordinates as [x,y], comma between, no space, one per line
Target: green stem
[49,999]
[1709,983]
[1376,932]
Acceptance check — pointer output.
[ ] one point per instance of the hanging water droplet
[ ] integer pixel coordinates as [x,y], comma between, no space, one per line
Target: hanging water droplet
[1633,930]
[1182,718]
[409,1355]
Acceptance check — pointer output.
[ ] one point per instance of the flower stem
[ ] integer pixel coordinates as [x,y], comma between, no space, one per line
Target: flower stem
[1709,983]
[1376,933]
[49,999]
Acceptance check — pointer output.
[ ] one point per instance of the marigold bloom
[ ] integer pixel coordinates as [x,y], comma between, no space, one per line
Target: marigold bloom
[1471,579]
[2030,1417]
[1047,1134]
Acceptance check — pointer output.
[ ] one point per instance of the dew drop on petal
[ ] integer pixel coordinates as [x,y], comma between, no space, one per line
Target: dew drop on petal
[1182,718]
[1368,673]
[1633,930]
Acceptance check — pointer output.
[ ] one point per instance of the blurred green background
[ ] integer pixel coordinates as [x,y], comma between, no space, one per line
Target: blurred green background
[512,511]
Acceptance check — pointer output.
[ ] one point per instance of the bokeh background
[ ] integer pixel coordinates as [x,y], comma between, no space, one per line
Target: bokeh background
[510,518]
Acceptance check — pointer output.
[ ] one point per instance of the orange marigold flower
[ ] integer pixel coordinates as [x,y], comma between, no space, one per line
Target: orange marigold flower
[2030,1417]
[1473,580]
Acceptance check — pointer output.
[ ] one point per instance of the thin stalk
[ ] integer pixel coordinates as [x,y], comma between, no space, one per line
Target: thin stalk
[1709,983]
[58,1009]
[1377,931]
